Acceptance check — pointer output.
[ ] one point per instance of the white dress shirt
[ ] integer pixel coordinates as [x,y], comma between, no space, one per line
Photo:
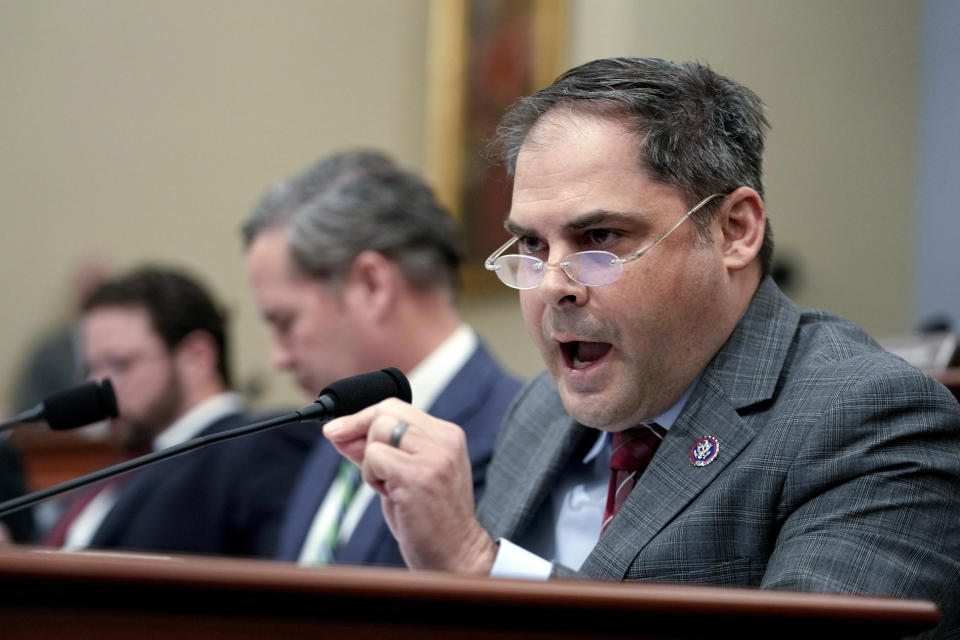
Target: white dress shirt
[427,380]
[570,522]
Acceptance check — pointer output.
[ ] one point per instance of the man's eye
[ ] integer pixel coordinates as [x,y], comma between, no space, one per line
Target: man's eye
[601,236]
[530,245]
[282,324]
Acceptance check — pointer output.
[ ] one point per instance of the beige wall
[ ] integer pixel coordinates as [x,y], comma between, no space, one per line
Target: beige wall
[146,130]
[840,80]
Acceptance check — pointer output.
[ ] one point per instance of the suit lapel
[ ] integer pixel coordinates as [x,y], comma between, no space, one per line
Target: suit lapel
[131,493]
[531,473]
[136,489]
[670,483]
[318,471]
[462,396]
[744,373]
[367,537]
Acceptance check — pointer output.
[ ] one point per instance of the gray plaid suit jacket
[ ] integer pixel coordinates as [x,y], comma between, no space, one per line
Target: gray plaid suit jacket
[838,470]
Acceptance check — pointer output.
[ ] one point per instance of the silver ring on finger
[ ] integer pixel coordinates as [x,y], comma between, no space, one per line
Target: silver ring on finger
[397,433]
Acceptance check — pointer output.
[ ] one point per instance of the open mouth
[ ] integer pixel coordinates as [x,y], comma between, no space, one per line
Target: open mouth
[580,355]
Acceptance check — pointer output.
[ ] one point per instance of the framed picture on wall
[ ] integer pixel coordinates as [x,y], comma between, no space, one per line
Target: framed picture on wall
[483,55]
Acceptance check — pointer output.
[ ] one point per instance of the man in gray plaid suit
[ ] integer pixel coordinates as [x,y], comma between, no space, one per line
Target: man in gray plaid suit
[798,454]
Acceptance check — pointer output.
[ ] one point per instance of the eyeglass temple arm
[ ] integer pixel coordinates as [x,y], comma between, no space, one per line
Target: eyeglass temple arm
[639,252]
[488,263]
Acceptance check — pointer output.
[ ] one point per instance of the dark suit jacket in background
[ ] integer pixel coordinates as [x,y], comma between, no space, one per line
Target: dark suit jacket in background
[226,498]
[476,399]
[838,470]
[13,485]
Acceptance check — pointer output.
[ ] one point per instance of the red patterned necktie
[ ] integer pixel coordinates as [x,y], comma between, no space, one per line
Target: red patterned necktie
[632,450]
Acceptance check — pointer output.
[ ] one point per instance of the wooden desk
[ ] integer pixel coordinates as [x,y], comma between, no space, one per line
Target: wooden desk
[52,457]
[50,594]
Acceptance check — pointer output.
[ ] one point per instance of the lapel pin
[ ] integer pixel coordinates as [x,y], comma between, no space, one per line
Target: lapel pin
[704,451]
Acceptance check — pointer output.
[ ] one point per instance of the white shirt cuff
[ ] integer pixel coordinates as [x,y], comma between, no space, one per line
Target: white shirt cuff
[516,562]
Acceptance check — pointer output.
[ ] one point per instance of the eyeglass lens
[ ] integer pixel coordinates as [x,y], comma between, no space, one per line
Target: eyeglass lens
[591,268]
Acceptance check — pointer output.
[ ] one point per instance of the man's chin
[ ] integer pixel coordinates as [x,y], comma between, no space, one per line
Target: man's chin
[129,439]
[305,384]
[119,433]
[596,410]
[310,391]
[587,409]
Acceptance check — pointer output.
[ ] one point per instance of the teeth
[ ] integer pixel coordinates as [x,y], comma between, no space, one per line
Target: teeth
[575,359]
[583,354]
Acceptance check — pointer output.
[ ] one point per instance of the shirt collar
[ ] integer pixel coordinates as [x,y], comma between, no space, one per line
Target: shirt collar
[665,420]
[429,378]
[197,419]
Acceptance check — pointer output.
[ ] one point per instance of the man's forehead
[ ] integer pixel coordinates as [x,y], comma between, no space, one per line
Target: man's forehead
[636,200]
[567,122]
[131,315]
[121,328]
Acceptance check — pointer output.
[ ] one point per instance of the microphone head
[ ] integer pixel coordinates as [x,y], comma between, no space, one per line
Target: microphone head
[358,392]
[79,406]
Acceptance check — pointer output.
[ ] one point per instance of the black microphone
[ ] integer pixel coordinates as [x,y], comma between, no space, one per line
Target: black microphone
[343,397]
[352,394]
[71,408]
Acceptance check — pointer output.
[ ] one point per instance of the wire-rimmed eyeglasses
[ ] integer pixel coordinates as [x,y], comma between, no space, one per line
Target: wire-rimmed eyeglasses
[589,268]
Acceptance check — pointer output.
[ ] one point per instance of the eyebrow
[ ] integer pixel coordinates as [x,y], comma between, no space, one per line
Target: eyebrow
[585,221]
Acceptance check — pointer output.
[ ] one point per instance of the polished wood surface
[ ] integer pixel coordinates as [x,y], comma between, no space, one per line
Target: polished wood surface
[55,594]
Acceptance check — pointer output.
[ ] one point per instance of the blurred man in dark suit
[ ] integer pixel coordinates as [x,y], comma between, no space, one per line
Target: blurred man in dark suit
[161,339]
[353,264]
[19,525]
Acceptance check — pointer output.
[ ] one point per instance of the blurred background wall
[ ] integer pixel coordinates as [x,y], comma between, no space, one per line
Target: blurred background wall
[146,130]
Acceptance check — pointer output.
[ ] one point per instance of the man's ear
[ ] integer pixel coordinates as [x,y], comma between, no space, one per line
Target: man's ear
[371,285]
[196,355]
[742,223]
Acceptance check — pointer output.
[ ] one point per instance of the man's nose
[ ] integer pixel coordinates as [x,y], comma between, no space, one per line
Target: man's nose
[281,356]
[558,289]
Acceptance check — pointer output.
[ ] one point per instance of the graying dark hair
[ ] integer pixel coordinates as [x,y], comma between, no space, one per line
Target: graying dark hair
[355,201]
[699,132]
